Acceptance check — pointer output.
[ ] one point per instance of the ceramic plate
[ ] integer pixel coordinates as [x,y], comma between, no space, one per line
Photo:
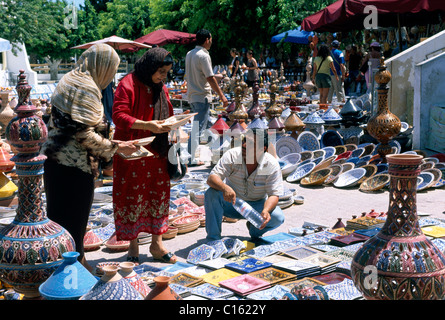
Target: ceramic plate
[244,284]
[272,275]
[331,138]
[375,182]
[276,292]
[292,158]
[328,152]
[349,178]
[286,145]
[308,141]
[201,253]
[248,265]
[427,178]
[301,172]
[219,247]
[211,291]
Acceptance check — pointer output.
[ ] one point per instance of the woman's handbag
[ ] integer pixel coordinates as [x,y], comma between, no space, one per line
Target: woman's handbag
[176,169]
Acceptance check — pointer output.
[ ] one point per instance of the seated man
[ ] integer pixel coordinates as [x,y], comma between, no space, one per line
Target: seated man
[250,173]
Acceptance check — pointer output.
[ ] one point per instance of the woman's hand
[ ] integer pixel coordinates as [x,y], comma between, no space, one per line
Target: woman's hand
[126,147]
[156,126]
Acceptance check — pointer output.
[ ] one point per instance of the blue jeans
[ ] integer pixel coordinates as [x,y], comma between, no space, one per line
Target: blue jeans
[216,207]
[200,123]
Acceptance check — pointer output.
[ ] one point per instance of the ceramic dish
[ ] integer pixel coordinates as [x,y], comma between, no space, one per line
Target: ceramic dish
[331,138]
[349,178]
[292,158]
[325,163]
[339,149]
[244,284]
[375,182]
[306,155]
[316,178]
[357,152]
[301,172]
[427,178]
[437,176]
[248,265]
[273,275]
[347,166]
[308,141]
[371,170]
[319,153]
[329,152]
[336,171]
[286,145]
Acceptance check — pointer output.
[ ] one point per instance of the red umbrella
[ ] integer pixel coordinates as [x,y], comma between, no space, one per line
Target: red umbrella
[162,36]
[117,43]
[345,15]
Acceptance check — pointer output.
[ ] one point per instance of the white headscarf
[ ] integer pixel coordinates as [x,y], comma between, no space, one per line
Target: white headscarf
[79,92]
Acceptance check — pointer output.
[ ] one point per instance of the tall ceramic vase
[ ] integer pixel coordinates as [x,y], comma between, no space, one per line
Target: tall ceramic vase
[162,291]
[31,247]
[383,125]
[400,263]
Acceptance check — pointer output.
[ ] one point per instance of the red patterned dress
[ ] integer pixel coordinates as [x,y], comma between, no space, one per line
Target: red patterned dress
[141,188]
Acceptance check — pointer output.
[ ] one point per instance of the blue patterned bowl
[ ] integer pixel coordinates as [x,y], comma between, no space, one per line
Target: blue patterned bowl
[301,172]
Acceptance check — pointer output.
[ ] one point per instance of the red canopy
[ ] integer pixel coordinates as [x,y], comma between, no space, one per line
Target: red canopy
[162,36]
[349,14]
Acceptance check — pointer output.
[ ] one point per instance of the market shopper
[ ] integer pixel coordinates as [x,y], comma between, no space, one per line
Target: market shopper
[74,149]
[352,84]
[141,188]
[323,64]
[235,65]
[337,82]
[250,173]
[252,69]
[200,82]
[371,62]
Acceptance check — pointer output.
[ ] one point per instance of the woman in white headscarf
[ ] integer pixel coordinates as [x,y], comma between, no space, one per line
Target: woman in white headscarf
[74,149]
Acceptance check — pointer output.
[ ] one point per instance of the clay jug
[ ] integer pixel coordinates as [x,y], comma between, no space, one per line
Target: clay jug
[162,291]
[400,262]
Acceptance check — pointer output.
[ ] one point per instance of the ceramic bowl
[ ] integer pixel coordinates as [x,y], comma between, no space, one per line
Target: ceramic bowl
[371,170]
[316,178]
[340,149]
[432,159]
[329,151]
[357,152]
[292,158]
[306,155]
[427,178]
[350,146]
[427,165]
[350,178]
[288,169]
[368,148]
[437,175]
[117,245]
[440,165]
[319,153]
[375,182]
[344,155]
[336,171]
[298,199]
[382,168]
[317,160]
[347,166]
[301,172]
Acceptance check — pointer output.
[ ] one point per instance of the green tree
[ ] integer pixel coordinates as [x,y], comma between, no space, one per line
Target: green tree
[125,18]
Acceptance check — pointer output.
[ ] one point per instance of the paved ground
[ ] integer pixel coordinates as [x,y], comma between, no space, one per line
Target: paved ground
[322,205]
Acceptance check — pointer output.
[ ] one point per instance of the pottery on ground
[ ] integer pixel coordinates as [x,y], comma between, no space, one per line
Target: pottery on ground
[162,290]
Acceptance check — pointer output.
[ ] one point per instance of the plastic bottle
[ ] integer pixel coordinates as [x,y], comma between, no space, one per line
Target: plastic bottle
[248,212]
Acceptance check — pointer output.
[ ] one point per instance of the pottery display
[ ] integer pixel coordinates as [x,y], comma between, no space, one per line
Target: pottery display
[294,124]
[162,290]
[349,178]
[91,241]
[31,247]
[301,172]
[117,245]
[69,282]
[316,177]
[384,125]
[127,272]
[375,182]
[406,264]
[112,286]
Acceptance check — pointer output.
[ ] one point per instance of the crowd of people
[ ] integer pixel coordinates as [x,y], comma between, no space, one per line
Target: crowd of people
[138,108]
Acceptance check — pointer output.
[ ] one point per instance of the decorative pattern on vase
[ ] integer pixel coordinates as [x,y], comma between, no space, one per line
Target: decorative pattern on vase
[384,125]
[240,110]
[31,247]
[127,272]
[400,262]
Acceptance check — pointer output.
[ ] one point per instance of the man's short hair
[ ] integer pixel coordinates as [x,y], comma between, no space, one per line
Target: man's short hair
[202,35]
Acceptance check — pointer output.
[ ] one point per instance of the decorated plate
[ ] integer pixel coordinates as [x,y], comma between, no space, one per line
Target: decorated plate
[248,265]
[308,141]
[286,145]
[375,182]
[301,172]
[331,138]
[292,158]
[328,152]
[427,177]
[244,284]
[211,291]
[350,178]
[273,275]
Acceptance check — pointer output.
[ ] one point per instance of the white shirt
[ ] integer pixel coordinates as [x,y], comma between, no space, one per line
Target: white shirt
[198,67]
[266,180]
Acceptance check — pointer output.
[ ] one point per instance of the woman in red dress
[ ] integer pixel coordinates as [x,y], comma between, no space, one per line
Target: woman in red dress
[141,188]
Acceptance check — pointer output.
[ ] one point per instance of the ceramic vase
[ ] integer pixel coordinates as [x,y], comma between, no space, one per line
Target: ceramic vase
[255,110]
[162,290]
[69,282]
[127,272]
[112,286]
[240,110]
[383,125]
[400,262]
[31,247]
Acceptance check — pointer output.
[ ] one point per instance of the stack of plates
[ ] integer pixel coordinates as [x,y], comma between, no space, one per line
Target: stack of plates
[298,267]
[170,233]
[325,262]
[364,223]
[187,223]
[144,238]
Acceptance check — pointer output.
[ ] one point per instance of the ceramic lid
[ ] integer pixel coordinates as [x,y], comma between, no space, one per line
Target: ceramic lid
[314,118]
[220,125]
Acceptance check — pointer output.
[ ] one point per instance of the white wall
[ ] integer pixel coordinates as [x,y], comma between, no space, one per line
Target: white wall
[402,68]
[19,60]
